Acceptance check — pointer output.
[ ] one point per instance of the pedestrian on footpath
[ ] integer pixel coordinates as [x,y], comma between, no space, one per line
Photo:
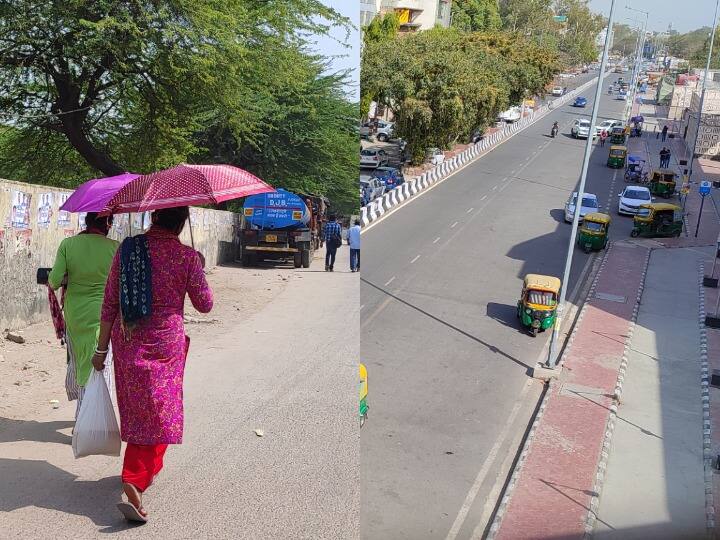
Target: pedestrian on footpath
[333,240]
[82,265]
[144,319]
[603,137]
[354,243]
[664,133]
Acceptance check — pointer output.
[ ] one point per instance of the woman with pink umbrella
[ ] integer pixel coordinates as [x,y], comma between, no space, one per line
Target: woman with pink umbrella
[143,313]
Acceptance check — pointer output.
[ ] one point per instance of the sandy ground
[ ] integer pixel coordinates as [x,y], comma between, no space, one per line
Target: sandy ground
[32,374]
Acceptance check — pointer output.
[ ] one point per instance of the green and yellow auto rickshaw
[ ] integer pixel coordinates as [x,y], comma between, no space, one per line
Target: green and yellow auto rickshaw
[593,233]
[616,157]
[537,307]
[657,219]
[662,183]
[618,135]
[363,394]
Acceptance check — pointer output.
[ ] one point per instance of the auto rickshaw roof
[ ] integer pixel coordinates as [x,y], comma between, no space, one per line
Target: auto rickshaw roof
[660,207]
[542,283]
[597,217]
[618,147]
[617,129]
[665,171]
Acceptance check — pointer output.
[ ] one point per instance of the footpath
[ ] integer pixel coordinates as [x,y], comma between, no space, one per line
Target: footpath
[624,441]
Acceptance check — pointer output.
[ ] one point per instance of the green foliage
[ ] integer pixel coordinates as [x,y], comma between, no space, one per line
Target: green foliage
[699,57]
[98,87]
[476,15]
[624,39]
[690,45]
[382,29]
[442,84]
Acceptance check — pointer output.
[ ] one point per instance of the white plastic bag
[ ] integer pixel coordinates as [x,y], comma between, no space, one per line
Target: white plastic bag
[96,430]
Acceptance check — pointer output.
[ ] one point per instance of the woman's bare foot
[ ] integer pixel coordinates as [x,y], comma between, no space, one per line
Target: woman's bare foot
[134,497]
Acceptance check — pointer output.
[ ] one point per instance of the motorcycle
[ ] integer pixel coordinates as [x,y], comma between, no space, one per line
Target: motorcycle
[553,131]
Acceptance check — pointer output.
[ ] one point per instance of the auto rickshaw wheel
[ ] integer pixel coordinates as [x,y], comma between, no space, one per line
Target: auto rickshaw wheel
[533,331]
[587,248]
[635,233]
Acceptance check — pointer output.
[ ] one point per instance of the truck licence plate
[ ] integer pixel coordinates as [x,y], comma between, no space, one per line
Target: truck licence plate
[270,238]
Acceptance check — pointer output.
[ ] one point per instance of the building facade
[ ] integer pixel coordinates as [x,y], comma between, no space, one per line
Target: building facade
[418,15]
[708,132]
[368,11]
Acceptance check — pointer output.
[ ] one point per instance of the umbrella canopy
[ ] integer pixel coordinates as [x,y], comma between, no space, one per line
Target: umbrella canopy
[93,195]
[185,185]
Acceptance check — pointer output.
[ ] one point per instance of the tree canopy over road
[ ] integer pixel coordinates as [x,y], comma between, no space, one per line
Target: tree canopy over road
[104,86]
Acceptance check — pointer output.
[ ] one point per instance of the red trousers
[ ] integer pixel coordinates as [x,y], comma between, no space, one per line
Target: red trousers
[142,462]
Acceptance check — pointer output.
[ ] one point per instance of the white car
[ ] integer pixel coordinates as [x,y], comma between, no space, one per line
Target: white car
[631,198]
[385,131]
[581,129]
[373,187]
[557,91]
[588,206]
[373,157]
[607,125]
[511,115]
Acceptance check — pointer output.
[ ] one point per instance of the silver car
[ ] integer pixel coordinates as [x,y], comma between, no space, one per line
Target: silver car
[373,158]
[588,205]
[581,129]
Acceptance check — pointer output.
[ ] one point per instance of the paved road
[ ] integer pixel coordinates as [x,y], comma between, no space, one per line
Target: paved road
[290,369]
[449,390]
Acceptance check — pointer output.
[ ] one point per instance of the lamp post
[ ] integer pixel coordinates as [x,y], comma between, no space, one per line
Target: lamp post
[553,357]
[702,93]
[638,59]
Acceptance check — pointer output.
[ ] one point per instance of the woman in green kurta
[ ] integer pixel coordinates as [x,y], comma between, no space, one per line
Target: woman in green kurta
[85,261]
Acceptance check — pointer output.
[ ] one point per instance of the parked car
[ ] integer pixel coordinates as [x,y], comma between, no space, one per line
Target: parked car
[580,102]
[365,131]
[607,125]
[385,131]
[435,156]
[631,198]
[621,96]
[588,206]
[390,176]
[581,129]
[372,188]
[373,157]
[511,115]
[557,91]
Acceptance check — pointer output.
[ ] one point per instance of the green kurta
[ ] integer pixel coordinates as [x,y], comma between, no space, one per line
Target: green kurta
[86,259]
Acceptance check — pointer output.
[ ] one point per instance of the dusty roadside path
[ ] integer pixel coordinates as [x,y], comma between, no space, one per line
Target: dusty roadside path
[281,356]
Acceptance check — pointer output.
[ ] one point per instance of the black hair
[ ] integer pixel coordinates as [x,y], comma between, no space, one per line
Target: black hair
[102,223]
[171,219]
[357,222]
[332,217]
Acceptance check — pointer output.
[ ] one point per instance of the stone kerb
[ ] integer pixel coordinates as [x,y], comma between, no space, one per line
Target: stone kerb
[364,219]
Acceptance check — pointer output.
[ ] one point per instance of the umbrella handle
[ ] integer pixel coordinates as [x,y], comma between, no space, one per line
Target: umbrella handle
[192,240]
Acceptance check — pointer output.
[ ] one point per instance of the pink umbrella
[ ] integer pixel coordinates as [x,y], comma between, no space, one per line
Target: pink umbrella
[185,185]
[93,195]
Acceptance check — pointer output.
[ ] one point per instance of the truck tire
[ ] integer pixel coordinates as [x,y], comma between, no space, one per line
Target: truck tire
[306,258]
[297,259]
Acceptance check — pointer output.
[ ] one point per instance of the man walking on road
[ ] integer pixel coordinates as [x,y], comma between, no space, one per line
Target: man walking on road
[354,243]
[333,240]
[664,133]
[603,137]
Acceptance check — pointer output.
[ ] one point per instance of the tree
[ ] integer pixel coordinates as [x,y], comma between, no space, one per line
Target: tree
[699,57]
[476,15]
[382,28]
[443,83]
[108,86]
[624,39]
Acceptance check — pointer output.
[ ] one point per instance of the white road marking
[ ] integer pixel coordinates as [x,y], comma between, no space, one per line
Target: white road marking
[389,281]
[483,197]
[436,240]
[489,460]
[453,225]
[469,210]
[415,259]
[362,306]
[494,188]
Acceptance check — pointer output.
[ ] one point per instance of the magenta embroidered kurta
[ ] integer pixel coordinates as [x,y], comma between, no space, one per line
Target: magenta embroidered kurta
[149,366]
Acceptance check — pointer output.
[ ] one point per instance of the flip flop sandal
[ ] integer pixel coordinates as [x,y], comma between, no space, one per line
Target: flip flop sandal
[131,512]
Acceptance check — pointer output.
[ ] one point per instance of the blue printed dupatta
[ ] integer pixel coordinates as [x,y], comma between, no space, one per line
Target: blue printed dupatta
[135,280]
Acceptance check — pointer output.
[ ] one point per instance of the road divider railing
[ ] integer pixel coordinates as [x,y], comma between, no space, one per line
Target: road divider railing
[398,196]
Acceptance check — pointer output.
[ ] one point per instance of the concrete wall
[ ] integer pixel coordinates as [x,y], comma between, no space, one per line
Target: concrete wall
[31,228]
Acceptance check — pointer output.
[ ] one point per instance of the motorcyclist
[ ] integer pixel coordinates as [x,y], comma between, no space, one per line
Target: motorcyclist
[554,129]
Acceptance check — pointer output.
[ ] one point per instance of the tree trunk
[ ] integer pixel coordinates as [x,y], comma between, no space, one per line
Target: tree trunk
[96,158]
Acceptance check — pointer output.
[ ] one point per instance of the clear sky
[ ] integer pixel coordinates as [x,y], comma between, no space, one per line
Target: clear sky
[346,53]
[684,15]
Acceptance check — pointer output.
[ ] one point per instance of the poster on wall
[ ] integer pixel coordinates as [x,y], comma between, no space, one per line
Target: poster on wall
[147,222]
[137,222]
[45,212]
[81,221]
[20,211]
[193,217]
[63,219]
[23,239]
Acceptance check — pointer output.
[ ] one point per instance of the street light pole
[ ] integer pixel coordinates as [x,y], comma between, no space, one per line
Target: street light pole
[702,94]
[638,60]
[554,338]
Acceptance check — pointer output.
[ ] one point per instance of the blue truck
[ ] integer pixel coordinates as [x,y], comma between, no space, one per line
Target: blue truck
[281,225]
